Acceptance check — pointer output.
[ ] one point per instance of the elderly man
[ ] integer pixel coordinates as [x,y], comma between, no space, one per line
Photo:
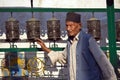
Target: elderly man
[85,60]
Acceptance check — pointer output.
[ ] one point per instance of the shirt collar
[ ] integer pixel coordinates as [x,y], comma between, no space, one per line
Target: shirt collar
[76,38]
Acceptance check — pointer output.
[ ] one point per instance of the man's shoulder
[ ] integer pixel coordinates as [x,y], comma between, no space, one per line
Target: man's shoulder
[86,35]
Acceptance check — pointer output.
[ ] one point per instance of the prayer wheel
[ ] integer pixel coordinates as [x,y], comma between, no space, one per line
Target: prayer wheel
[33,29]
[12,29]
[11,61]
[93,25]
[53,28]
[118,30]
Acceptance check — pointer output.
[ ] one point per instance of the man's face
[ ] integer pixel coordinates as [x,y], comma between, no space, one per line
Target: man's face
[73,28]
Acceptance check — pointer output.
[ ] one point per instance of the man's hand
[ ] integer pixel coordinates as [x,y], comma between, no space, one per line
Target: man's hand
[42,44]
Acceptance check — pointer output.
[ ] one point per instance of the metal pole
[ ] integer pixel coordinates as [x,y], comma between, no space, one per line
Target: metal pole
[111,32]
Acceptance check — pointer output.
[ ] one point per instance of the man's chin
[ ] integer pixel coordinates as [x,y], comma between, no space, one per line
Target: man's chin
[70,35]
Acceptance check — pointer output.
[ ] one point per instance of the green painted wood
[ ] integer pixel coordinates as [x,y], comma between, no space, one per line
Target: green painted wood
[36,49]
[112,34]
[26,49]
[52,9]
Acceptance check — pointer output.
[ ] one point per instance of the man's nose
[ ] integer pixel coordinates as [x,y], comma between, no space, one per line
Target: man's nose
[68,28]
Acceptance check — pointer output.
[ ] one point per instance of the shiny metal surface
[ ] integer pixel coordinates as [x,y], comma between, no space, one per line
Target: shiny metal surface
[53,27]
[33,29]
[118,30]
[12,30]
[93,25]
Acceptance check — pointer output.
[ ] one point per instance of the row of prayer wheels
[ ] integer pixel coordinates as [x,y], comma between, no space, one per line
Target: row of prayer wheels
[32,29]
[53,29]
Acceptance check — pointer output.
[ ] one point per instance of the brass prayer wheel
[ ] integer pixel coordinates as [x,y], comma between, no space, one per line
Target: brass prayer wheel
[118,30]
[93,25]
[12,29]
[53,28]
[33,29]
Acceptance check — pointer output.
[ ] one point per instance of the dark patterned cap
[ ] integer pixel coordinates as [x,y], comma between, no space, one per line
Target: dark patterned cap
[71,16]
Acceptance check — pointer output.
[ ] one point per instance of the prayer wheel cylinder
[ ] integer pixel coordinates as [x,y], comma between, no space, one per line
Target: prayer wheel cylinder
[53,27]
[11,61]
[33,29]
[12,30]
[94,28]
[118,30]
